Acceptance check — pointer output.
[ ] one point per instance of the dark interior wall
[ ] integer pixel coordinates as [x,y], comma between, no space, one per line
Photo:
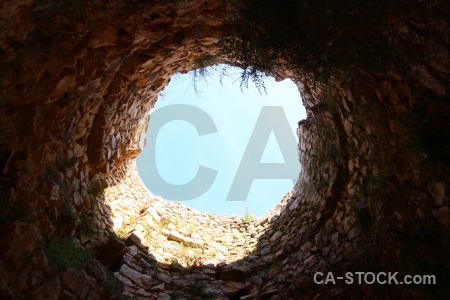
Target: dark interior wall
[78,78]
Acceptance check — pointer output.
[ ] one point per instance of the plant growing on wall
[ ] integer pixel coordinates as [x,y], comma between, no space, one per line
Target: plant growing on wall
[324,38]
[63,253]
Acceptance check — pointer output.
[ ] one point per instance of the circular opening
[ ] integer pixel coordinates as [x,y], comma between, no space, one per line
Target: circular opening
[221,147]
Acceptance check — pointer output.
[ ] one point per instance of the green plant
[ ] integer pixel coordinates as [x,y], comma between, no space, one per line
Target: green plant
[174,265]
[196,287]
[119,235]
[63,253]
[163,222]
[248,216]
[192,228]
[214,252]
[176,295]
[178,224]
[201,70]
[87,224]
[204,68]
[112,287]
[109,285]
[147,231]
[146,265]
[324,38]
[68,214]
[189,256]
[122,233]
[132,219]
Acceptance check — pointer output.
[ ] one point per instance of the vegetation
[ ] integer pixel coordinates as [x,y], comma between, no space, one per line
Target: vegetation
[63,253]
[190,256]
[192,228]
[325,38]
[68,213]
[205,68]
[132,219]
[163,223]
[248,217]
[174,265]
[196,288]
[97,188]
[122,233]
[150,265]
[214,252]
[87,224]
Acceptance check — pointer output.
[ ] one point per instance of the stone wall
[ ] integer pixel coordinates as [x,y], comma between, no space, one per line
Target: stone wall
[77,81]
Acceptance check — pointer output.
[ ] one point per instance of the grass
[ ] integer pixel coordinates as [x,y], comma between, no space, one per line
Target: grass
[214,252]
[163,223]
[87,224]
[178,224]
[63,253]
[192,228]
[174,265]
[187,259]
[122,233]
[109,285]
[132,219]
[196,287]
[148,230]
[68,213]
[248,217]
[150,265]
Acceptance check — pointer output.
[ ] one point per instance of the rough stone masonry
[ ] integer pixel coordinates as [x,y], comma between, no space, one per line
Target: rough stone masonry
[77,80]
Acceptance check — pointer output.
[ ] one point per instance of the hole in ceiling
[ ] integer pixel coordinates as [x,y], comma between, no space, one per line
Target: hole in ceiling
[211,144]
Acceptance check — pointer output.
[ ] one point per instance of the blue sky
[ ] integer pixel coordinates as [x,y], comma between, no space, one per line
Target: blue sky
[180,150]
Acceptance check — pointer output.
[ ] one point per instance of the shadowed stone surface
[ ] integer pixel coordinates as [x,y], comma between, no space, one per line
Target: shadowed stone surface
[77,81]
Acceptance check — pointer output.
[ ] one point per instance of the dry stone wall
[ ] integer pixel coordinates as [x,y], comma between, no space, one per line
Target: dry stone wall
[77,81]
